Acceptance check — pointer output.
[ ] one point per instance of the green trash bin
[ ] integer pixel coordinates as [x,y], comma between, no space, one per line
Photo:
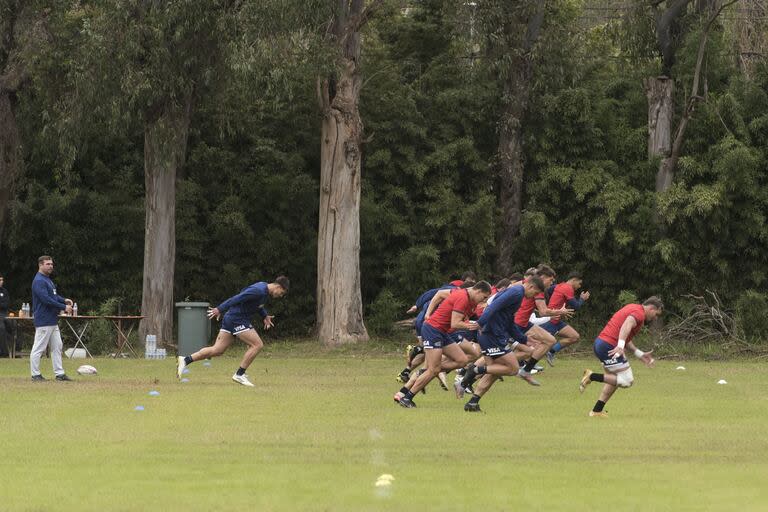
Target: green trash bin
[194,327]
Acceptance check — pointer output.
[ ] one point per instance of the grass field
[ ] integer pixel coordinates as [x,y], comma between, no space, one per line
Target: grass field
[317,432]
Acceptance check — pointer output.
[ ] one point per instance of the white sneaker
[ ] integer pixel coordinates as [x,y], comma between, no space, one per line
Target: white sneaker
[180,367]
[528,378]
[242,379]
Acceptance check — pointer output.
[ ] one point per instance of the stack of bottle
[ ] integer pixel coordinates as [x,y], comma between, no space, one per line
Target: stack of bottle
[150,348]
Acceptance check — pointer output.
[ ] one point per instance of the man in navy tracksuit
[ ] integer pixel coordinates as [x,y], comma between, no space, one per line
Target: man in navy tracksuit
[46,306]
[238,311]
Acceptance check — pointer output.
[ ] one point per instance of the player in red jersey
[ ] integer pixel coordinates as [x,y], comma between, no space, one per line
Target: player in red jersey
[452,314]
[615,337]
[544,341]
[564,294]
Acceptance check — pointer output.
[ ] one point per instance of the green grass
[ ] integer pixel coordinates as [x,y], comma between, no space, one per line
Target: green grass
[316,432]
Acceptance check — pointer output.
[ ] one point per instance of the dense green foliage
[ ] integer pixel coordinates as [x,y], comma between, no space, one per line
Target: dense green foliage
[247,194]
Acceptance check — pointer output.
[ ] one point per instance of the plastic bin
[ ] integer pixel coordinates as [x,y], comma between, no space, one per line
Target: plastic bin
[194,327]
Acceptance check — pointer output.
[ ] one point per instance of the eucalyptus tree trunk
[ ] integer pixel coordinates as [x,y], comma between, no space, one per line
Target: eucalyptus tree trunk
[511,164]
[517,91]
[660,93]
[339,300]
[165,141]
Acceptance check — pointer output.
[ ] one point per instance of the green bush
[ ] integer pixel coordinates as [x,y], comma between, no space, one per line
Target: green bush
[750,314]
[383,313]
[627,297]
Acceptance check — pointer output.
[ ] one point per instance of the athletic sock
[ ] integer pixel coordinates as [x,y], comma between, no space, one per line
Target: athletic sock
[481,370]
[597,377]
[556,348]
[188,360]
[241,371]
[598,406]
[530,365]
[404,390]
[416,350]
[469,376]
[474,400]
[408,394]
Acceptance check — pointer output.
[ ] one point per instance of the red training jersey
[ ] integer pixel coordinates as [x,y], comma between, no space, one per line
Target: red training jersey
[523,314]
[610,332]
[560,296]
[458,301]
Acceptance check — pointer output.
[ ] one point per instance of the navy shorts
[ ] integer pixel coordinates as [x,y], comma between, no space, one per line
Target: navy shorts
[493,346]
[602,348]
[234,325]
[419,323]
[518,334]
[554,328]
[434,338]
[459,336]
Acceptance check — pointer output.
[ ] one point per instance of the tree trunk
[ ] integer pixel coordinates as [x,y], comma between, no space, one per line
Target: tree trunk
[667,166]
[165,140]
[659,91]
[511,164]
[10,156]
[339,300]
[517,92]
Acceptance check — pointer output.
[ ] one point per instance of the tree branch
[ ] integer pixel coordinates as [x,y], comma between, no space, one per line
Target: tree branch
[360,20]
[674,156]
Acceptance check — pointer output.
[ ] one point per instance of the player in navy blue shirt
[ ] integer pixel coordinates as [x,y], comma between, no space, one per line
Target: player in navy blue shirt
[46,306]
[497,329]
[237,312]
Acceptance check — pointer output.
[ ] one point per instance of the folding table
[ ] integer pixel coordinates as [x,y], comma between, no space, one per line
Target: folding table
[85,321]
[122,335]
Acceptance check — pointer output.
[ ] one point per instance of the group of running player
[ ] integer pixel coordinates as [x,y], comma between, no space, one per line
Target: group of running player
[483,332]
[489,332]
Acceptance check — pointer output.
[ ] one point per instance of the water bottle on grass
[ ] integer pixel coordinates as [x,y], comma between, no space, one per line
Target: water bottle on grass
[151,346]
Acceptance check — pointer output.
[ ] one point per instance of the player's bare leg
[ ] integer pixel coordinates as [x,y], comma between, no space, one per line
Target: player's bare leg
[500,366]
[433,363]
[222,343]
[545,342]
[255,344]
[611,381]
[568,336]
[253,340]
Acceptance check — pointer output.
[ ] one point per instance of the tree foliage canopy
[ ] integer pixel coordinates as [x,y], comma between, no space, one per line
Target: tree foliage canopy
[247,196]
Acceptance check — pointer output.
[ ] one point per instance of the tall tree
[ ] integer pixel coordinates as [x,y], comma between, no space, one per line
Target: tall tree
[339,302]
[22,29]
[512,29]
[165,55]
